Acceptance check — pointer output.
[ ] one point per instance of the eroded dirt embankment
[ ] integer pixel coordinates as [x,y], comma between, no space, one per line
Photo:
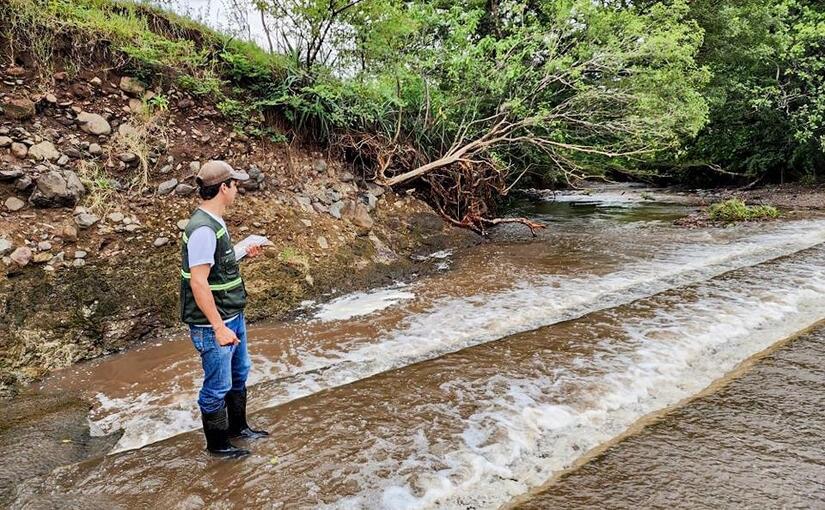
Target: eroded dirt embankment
[96,180]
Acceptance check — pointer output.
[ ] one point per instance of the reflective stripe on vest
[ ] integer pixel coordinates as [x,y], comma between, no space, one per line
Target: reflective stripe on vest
[220,233]
[231,284]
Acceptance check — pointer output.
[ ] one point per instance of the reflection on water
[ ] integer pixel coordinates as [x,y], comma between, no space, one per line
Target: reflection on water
[592,209]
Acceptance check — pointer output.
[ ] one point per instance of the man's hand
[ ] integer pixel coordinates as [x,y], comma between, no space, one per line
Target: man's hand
[226,336]
[254,251]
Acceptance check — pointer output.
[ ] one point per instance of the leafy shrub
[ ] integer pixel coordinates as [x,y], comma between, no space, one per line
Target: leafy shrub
[734,209]
[235,110]
[809,179]
[208,84]
[158,103]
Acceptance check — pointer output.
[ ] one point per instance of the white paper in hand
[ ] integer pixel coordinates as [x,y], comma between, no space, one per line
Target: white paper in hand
[253,240]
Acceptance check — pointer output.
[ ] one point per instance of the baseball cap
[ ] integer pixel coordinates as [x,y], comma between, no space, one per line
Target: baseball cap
[216,172]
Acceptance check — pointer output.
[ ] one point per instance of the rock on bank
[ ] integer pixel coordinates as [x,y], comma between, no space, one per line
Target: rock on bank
[96,186]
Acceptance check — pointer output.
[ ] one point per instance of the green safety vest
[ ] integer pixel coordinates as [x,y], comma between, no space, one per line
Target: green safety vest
[224,276]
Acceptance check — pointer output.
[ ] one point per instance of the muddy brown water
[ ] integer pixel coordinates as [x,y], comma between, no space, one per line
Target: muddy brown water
[756,443]
[474,387]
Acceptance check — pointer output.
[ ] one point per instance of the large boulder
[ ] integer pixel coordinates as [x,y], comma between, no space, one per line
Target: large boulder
[23,183]
[57,189]
[14,204]
[358,214]
[127,130]
[19,150]
[93,123]
[135,105]
[11,175]
[132,86]
[80,90]
[6,246]
[167,187]
[44,150]
[19,108]
[375,189]
[184,189]
[21,256]
[256,177]
[319,165]
[335,210]
[85,220]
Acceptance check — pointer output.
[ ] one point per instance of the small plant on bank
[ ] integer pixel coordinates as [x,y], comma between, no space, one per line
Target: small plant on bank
[158,103]
[101,189]
[148,135]
[734,209]
[278,138]
[208,84]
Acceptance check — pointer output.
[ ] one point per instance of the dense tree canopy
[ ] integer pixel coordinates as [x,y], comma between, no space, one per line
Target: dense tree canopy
[766,94]
[465,99]
[568,88]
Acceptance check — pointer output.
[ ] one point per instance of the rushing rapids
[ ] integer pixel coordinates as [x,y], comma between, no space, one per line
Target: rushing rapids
[467,388]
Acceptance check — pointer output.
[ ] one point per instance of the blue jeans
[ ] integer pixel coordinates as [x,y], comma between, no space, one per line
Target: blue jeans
[224,367]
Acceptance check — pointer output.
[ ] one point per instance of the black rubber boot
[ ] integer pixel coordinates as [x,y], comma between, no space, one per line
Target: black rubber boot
[236,405]
[216,430]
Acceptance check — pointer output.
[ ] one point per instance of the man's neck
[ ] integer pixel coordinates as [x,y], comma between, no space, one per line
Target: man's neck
[214,206]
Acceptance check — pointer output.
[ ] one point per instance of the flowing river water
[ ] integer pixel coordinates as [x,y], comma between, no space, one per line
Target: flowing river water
[478,386]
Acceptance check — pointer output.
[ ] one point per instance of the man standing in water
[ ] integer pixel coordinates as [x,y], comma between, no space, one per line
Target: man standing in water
[213,298]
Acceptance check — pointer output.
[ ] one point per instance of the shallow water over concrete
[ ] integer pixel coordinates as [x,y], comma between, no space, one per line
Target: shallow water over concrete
[464,389]
[755,443]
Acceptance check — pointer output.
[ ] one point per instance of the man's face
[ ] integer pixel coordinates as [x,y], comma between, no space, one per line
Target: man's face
[230,190]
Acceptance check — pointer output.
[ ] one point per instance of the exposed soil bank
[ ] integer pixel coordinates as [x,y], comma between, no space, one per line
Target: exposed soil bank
[91,267]
[83,289]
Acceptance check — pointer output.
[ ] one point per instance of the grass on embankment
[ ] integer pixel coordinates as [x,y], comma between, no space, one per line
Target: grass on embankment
[150,40]
[246,83]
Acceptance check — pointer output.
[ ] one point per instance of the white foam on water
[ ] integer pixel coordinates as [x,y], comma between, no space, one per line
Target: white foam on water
[148,417]
[438,255]
[527,427]
[359,304]
[600,199]
[453,323]
[613,196]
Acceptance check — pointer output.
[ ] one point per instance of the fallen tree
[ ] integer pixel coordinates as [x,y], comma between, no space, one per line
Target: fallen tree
[570,89]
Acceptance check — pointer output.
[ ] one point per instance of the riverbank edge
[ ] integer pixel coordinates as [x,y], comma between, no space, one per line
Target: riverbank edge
[38,423]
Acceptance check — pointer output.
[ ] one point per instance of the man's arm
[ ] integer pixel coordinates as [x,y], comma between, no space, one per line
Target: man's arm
[206,303]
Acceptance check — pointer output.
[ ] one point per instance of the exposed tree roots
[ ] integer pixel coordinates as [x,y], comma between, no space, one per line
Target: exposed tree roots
[464,193]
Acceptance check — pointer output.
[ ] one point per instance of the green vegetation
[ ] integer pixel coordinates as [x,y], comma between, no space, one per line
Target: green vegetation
[294,258]
[101,189]
[734,210]
[158,103]
[207,84]
[484,93]
[767,94]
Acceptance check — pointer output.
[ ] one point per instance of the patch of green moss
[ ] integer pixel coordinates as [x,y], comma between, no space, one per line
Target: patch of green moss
[274,288]
[734,209]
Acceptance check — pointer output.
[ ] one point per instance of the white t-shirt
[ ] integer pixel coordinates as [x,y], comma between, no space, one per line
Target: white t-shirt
[201,250]
[202,243]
